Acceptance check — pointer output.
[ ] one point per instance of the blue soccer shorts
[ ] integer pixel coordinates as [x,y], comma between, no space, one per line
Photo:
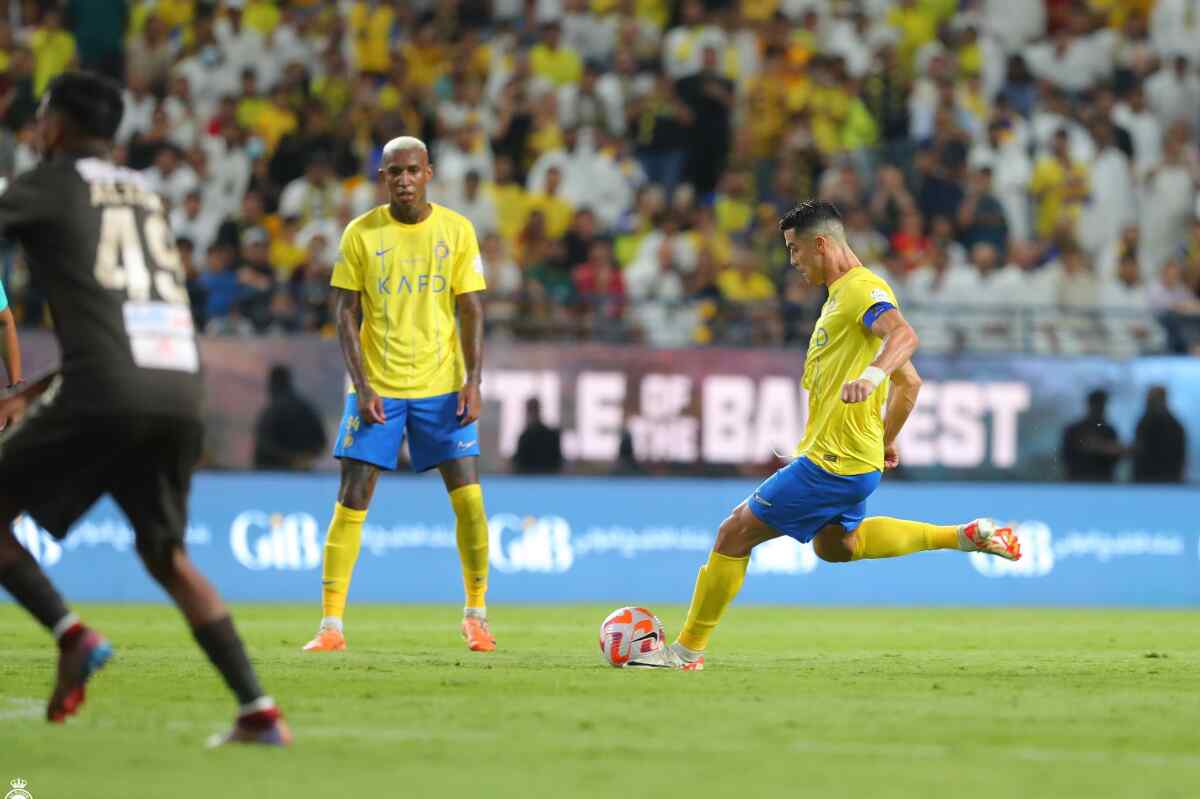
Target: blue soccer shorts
[431,424]
[801,498]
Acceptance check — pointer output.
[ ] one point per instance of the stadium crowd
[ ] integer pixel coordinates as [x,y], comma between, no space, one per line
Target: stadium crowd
[1024,172]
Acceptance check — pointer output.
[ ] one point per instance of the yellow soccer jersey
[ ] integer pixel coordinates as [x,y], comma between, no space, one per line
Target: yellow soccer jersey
[845,438]
[408,276]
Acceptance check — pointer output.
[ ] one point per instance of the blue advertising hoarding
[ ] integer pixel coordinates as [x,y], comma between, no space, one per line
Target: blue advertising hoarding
[259,537]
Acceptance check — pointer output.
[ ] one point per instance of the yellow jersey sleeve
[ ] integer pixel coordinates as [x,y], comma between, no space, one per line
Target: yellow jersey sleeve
[865,294]
[349,271]
[467,275]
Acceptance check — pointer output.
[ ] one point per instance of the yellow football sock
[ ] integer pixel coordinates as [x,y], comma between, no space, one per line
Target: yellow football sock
[472,534]
[717,584]
[341,552]
[885,537]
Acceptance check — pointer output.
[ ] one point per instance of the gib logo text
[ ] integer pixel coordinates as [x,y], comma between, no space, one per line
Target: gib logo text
[286,542]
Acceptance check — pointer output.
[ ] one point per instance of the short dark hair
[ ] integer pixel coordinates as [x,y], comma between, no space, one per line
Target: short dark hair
[91,102]
[808,215]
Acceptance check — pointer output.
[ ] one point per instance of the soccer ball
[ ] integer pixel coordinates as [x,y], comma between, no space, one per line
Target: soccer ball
[628,633]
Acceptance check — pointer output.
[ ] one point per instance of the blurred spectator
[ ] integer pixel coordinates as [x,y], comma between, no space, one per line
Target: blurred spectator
[1177,307]
[192,220]
[661,124]
[555,210]
[476,205]
[309,287]
[53,48]
[150,53]
[552,61]
[1144,128]
[314,195]
[580,236]
[939,192]
[909,242]
[981,216]
[289,434]
[1112,200]
[1059,185]
[1169,196]
[221,289]
[140,104]
[170,176]
[197,295]
[710,98]
[749,295]
[1173,92]
[1090,448]
[1076,284]
[539,450]
[256,278]
[601,291]
[684,45]
[1160,443]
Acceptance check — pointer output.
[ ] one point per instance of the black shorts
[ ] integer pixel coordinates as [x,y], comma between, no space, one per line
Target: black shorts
[55,465]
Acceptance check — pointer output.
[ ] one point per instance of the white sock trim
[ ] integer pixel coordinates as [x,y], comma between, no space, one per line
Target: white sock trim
[64,624]
[331,623]
[257,706]
[690,655]
[475,613]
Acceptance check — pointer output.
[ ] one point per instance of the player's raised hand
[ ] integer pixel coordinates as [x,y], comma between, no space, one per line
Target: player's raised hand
[891,456]
[469,403]
[857,390]
[370,407]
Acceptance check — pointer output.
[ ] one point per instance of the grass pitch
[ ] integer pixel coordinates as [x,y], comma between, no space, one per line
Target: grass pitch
[795,702]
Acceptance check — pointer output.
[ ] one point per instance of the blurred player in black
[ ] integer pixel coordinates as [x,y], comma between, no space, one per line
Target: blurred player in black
[123,418]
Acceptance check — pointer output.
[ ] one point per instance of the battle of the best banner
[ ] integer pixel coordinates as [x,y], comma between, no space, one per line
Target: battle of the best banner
[703,411]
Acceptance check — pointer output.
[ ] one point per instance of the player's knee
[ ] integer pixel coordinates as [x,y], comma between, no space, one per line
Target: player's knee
[357,486]
[833,548]
[736,535]
[158,554]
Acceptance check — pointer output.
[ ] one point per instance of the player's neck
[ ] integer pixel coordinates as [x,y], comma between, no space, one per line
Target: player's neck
[839,266]
[82,148]
[410,214]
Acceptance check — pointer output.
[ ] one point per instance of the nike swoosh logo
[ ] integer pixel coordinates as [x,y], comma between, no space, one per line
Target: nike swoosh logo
[761,501]
[328,582]
[384,252]
[466,444]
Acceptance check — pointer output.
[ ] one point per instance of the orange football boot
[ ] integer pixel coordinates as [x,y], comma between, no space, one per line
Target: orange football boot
[327,640]
[478,637]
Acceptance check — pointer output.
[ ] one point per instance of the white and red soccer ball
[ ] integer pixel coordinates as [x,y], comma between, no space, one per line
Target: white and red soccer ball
[629,633]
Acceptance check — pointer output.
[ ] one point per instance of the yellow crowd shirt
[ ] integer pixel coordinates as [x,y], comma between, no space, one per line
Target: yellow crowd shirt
[845,438]
[408,277]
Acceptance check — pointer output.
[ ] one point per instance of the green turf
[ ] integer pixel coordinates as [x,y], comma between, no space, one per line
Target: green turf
[795,702]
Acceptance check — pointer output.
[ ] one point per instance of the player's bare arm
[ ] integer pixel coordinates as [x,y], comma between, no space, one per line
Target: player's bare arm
[470,316]
[12,347]
[370,406]
[906,385]
[899,343]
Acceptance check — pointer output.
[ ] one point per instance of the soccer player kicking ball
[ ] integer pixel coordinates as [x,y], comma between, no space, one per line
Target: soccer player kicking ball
[853,421]
[125,417]
[407,265]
